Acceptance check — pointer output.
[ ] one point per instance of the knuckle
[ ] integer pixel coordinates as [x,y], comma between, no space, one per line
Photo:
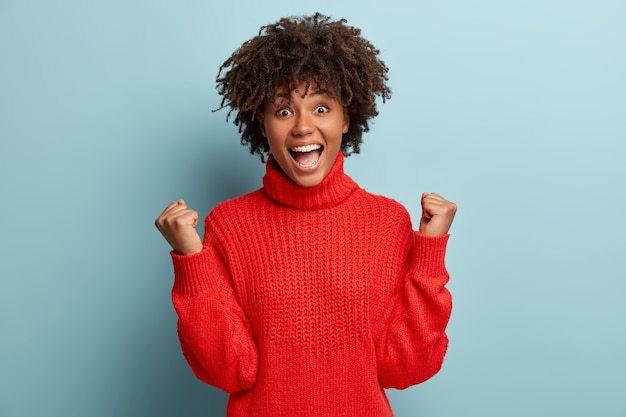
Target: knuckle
[169,222]
[159,221]
[179,221]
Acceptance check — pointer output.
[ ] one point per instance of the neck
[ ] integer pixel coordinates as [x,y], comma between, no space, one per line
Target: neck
[333,189]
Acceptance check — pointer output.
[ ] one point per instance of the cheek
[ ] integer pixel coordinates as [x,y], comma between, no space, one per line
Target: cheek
[274,143]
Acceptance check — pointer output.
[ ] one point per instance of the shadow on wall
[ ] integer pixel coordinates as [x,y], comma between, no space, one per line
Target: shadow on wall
[169,389]
[230,173]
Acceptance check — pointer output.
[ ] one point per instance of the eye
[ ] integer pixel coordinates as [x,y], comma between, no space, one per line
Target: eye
[284,112]
[321,109]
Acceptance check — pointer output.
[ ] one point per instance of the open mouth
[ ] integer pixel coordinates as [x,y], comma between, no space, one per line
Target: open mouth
[307,156]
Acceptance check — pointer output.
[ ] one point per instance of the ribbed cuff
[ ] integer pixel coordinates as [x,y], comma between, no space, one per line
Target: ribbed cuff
[191,272]
[430,254]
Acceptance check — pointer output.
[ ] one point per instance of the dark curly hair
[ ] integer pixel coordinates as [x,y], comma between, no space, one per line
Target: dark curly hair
[315,49]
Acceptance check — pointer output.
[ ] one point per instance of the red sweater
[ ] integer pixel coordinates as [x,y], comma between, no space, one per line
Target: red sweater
[311,301]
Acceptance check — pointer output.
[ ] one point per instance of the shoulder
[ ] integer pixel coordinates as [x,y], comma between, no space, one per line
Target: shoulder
[386,211]
[387,204]
[236,208]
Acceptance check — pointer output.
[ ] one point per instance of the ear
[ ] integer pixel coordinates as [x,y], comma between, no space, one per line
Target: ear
[260,117]
[346,122]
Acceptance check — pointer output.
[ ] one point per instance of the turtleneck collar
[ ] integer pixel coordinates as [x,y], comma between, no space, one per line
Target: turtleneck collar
[333,189]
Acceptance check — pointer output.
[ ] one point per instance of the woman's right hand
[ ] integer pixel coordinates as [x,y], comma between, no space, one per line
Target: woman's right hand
[178,224]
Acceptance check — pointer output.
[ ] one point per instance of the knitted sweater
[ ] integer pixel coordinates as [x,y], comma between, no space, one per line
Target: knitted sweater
[311,301]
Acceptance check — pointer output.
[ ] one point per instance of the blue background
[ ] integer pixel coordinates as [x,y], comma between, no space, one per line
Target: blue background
[515,110]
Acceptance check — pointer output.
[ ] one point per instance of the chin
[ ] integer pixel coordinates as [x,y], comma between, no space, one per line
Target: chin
[309,181]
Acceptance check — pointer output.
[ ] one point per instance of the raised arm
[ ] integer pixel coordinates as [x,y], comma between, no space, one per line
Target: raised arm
[215,334]
[413,343]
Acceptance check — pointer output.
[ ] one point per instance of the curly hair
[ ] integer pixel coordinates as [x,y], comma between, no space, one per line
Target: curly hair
[315,49]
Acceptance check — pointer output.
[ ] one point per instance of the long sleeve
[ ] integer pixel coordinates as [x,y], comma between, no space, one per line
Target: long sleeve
[215,335]
[412,345]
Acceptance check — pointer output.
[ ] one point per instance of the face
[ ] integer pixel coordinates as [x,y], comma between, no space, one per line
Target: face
[304,133]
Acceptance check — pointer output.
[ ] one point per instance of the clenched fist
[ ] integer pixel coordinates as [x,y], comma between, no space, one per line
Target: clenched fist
[177,224]
[437,215]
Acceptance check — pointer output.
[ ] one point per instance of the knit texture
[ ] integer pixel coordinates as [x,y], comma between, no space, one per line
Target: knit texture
[311,301]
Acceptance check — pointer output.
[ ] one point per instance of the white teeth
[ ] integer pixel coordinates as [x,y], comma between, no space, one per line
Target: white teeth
[306,148]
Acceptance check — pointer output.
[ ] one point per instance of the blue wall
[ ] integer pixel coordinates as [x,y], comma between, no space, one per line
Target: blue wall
[516,110]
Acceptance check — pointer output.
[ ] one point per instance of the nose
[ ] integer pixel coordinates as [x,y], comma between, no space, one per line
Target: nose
[303,125]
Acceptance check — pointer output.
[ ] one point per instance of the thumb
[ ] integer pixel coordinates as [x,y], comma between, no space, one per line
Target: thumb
[425,214]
